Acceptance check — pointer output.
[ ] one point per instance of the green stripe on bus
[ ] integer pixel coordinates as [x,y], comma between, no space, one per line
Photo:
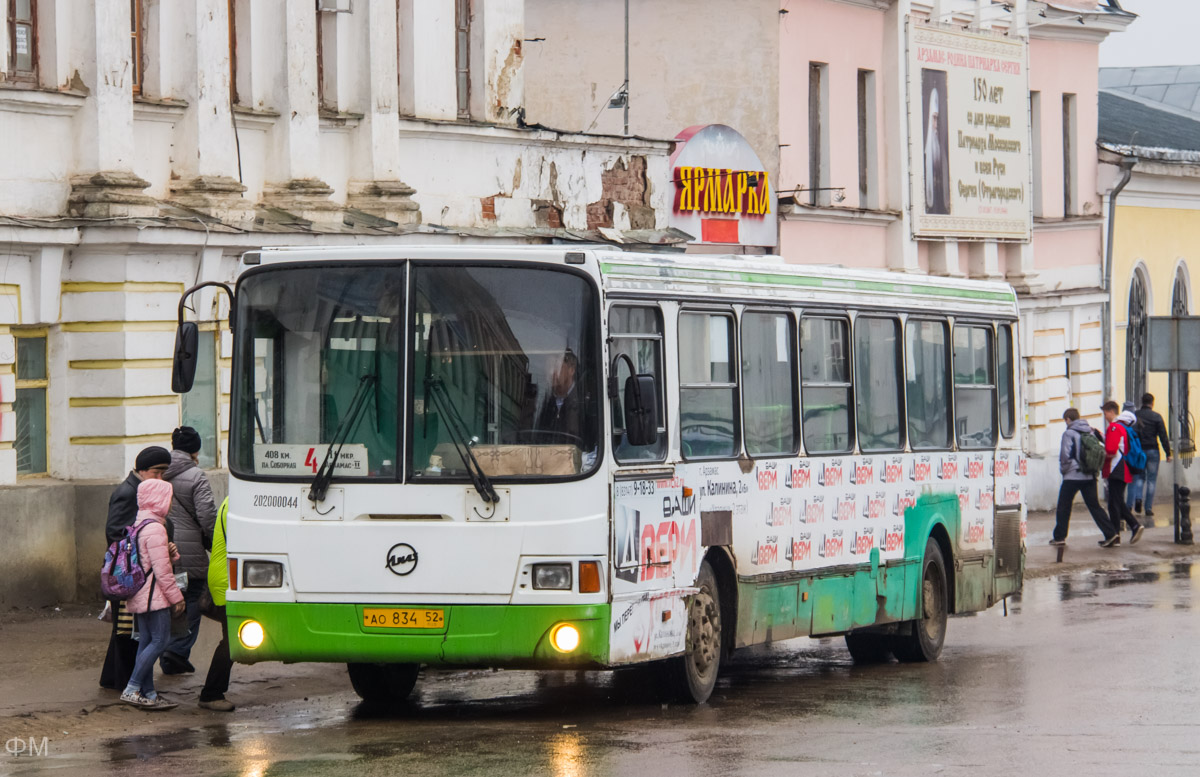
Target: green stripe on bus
[644,270]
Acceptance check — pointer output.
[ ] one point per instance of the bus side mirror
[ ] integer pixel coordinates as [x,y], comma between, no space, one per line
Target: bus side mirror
[183,370]
[641,410]
[187,340]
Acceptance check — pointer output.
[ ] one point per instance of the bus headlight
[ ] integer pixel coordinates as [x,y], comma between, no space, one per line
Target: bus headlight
[262,574]
[251,635]
[555,577]
[564,638]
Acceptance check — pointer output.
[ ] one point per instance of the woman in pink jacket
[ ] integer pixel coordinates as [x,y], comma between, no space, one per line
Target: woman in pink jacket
[158,599]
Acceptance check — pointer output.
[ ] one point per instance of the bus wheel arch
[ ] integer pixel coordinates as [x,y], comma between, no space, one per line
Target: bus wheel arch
[941,536]
[723,567]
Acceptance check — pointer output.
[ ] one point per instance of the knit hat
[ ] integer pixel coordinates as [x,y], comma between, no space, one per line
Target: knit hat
[1128,406]
[152,457]
[185,439]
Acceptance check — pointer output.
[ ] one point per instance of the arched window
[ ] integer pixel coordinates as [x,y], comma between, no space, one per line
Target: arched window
[1179,385]
[1135,338]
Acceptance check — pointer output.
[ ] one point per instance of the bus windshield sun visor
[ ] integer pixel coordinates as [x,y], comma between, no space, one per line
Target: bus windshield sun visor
[435,388]
[320,483]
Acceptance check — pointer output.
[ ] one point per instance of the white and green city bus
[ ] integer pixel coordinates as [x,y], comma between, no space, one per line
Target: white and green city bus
[547,457]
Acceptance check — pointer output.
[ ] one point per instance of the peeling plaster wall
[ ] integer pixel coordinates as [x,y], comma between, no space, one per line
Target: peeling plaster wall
[518,172]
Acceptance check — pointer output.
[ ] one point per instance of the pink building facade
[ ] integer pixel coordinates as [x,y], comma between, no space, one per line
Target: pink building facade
[851,179]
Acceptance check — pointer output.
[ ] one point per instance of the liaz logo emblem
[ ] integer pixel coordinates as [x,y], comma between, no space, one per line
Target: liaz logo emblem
[402,559]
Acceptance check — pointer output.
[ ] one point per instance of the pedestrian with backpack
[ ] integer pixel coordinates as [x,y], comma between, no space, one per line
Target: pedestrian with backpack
[150,464]
[1080,458]
[1123,456]
[1152,431]
[159,598]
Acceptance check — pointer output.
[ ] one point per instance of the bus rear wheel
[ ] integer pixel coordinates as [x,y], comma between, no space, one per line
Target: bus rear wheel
[695,672]
[928,634]
[383,683]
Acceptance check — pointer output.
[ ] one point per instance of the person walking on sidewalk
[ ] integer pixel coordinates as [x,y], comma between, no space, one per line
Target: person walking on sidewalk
[193,513]
[157,600]
[1116,446]
[1079,470]
[150,464]
[1152,431]
[212,696]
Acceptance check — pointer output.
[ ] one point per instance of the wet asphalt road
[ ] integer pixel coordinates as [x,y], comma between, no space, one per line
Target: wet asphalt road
[1092,674]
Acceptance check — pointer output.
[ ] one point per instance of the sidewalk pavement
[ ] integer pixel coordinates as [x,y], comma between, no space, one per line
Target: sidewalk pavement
[1082,551]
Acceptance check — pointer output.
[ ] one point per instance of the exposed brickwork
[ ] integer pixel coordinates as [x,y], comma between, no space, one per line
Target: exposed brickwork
[488,206]
[624,183]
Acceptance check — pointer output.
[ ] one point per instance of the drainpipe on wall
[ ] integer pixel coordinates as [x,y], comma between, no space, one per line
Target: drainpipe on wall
[1127,164]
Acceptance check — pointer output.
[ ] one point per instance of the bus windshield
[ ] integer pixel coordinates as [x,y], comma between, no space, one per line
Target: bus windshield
[503,372]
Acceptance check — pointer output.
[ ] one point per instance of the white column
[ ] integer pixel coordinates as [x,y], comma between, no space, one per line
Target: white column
[106,185]
[944,258]
[376,186]
[426,46]
[208,168]
[983,260]
[497,64]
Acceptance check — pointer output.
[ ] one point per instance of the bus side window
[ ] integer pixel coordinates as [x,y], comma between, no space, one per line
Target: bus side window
[825,390]
[974,387]
[769,383]
[927,383]
[1004,379]
[637,332]
[707,386]
[877,384]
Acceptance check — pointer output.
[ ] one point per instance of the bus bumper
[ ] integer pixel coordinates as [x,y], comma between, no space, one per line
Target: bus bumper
[473,635]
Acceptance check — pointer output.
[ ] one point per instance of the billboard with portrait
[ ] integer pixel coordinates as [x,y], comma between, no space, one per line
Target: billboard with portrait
[968,97]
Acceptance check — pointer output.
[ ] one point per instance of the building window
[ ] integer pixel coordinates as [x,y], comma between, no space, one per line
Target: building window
[1070,165]
[1135,338]
[927,380]
[707,386]
[1181,428]
[137,48]
[867,142]
[462,56]
[200,404]
[30,404]
[637,332]
[825,390]
[22,40]
[877,381]
[818,133]
[1035,123]
[974,387]
[769,384]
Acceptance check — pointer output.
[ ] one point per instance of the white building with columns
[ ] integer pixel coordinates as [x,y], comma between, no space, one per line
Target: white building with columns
[147,144]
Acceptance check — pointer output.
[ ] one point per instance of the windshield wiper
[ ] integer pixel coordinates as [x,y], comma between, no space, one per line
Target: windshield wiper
[460,436]
[320,483]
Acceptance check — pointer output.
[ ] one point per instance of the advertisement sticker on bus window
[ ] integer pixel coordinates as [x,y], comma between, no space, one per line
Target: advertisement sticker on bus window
[301,460]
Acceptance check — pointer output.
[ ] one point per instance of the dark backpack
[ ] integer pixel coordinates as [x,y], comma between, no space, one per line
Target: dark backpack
[1135,457]
[1090,454]
[122,575]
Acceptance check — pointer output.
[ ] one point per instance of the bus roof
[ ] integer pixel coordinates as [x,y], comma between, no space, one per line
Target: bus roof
[703,277]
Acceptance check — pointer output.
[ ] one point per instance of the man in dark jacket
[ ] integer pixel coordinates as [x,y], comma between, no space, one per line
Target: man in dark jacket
[1076,481]
[122,510]
[193,512]
[1151,431]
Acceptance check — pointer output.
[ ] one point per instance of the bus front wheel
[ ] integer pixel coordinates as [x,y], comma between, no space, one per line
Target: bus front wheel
[924,642]
[695,672]
[383,683]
